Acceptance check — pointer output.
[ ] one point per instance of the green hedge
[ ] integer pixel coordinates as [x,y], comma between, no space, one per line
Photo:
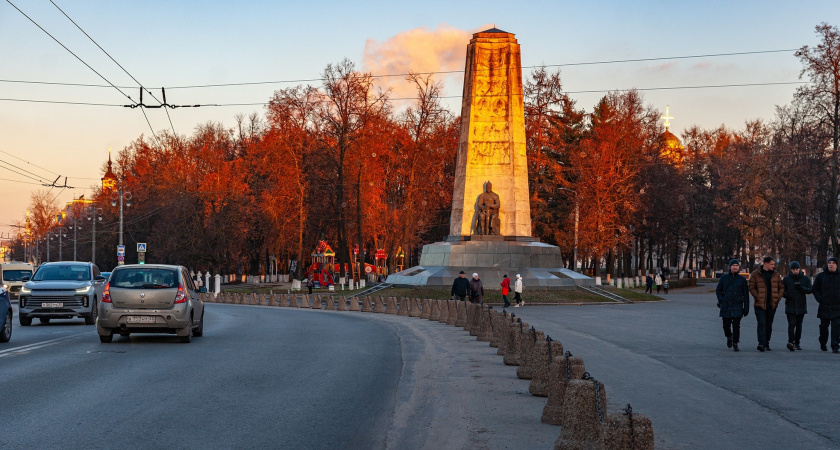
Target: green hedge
[685,282]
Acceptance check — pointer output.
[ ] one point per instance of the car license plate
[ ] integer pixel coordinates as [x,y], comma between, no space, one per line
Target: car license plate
[140,319]
[52,305]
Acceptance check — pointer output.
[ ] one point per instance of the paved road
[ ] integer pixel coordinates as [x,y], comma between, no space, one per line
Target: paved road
[670,361]
[266,377]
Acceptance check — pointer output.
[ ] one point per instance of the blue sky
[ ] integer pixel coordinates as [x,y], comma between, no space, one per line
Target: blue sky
[165,43]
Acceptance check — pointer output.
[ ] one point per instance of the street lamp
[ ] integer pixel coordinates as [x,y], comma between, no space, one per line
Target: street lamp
[60,232]
[75,227]
[93,212]
[124,199]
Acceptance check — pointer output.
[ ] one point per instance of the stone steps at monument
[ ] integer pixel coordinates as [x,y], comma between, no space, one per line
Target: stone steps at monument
[373,289]
[604,293]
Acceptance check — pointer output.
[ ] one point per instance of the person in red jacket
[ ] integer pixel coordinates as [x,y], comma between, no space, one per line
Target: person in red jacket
[506,290]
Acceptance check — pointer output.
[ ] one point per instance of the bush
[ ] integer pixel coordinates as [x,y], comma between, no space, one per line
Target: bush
[685,282]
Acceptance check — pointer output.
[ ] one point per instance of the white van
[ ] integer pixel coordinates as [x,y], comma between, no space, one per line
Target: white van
[11,275]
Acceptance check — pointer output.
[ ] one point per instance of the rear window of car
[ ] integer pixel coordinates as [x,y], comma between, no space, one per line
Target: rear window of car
[62,273]
[16,275]
[144,278]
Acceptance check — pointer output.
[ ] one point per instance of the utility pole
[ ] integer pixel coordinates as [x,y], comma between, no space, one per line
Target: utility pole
[124,201]
[94,214]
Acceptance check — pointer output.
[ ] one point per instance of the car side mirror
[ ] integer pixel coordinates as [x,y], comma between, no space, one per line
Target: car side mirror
[100,278]
[202,289]
[25,279]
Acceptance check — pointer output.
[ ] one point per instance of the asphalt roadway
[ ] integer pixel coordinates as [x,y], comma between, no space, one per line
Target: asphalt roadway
[290,378]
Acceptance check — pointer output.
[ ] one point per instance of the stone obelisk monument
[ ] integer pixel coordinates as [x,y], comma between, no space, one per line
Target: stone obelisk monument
[490,225]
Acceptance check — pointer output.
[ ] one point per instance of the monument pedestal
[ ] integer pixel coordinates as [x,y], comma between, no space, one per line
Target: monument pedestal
[491,257]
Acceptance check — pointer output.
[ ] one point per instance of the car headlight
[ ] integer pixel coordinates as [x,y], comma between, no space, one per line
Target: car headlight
[83,290]
[25,290]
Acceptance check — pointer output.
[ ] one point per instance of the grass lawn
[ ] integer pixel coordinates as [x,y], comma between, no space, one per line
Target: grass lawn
[493,296]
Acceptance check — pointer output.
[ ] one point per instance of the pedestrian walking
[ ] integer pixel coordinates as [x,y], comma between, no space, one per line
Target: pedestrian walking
[460,287]
[767,288]
[797,287]
[476,290]
[310,284]
[517,291]
[506,290]
[827,292]
[658,282]
[649,284]
[733,300]
[664,286]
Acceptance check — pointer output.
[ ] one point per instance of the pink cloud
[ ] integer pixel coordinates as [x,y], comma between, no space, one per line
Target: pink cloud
[416,50]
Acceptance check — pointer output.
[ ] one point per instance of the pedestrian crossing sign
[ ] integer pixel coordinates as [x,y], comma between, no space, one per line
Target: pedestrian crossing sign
[141,247]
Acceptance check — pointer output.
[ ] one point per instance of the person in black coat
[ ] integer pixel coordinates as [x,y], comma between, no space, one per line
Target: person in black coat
[733,295]
[649,284]
[827,292]
[797,287]
[460,287]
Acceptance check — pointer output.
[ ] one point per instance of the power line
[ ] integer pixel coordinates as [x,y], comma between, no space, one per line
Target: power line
[19,181]
[309,80]
[19,168]
[27,162]
[120,66]
[83,62]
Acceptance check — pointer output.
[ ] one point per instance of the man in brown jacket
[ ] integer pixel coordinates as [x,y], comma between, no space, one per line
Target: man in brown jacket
[767,289]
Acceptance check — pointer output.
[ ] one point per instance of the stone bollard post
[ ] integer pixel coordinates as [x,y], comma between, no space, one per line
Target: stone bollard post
[316,301]
[434,315]
[476,315]
[217,284]
[544,355]
[330,303]
[366,304]
[516,333]
[460,313]
[379,305]
[354,304]
[391,307]
[293,301]
[504,332]
[562,370]
[414,310]
[427,309]
[485,328]
[499,327]
[451,312]
[469,313]
[527,348]
[584,410]
[443,311]
[405,307]
[272,299]
[626,430]
[342,304]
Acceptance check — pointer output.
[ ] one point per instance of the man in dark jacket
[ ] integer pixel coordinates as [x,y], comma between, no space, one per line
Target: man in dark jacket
[733,297]
[767,289]
[797,287]
[649,284]
[460,287]
[476,290]
[827,292]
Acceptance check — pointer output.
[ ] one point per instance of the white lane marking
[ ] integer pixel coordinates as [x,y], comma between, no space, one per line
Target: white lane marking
[34,346]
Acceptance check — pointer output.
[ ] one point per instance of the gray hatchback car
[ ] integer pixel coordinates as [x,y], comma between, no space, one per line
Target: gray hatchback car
[150,298]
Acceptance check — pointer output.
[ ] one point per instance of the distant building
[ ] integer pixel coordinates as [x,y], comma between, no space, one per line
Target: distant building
[671,149]
[109,181]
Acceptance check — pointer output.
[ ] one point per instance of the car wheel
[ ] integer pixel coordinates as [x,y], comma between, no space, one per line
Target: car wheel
[188,338]
[106,338]
[94,312]
[44,319]
[6,333]
[25,321]
[198,332]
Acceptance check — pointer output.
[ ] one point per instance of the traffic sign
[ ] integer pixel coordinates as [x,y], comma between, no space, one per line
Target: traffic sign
[121,250]
[121,258]
[141,247]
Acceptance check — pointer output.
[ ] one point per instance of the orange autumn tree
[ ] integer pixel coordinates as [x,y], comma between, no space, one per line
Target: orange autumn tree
[606,166]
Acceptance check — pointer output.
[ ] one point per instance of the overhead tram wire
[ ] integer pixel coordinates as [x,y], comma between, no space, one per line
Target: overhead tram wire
[83,62]
[309,80]
[27,162]
[121,67]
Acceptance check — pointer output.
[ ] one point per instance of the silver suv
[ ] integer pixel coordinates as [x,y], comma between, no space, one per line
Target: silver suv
[61,290]
[151,298]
